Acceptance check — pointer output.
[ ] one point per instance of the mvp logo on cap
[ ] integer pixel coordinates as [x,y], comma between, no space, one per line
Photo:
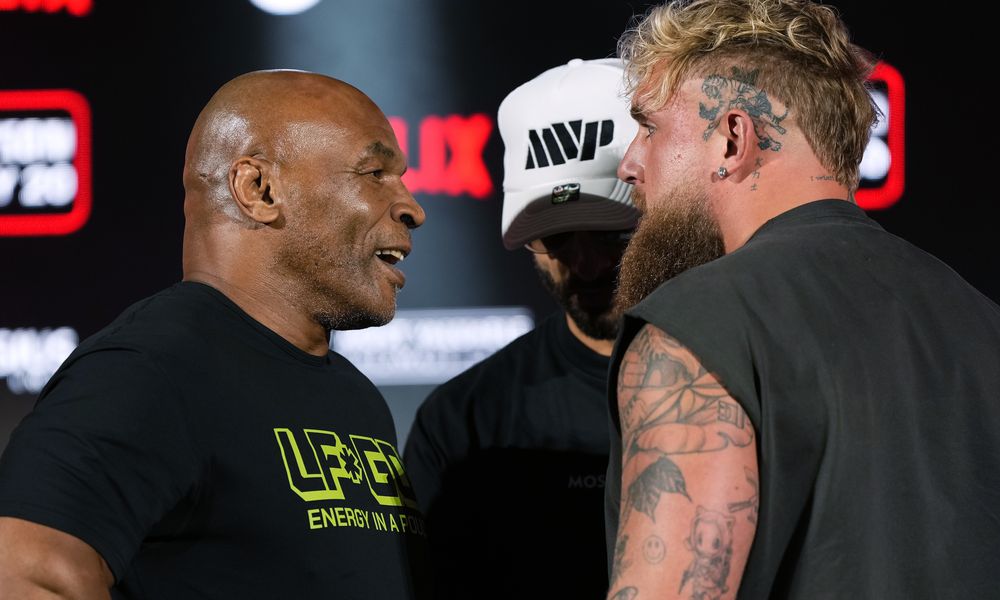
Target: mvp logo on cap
[571,143]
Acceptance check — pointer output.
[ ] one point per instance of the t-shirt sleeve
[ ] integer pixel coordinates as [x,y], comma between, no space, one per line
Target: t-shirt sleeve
[438,439]
[104,455]
[424,458]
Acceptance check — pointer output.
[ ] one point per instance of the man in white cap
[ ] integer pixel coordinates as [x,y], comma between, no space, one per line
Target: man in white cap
[508,459]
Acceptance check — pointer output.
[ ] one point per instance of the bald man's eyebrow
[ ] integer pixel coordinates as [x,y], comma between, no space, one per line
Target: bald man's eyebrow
[377,149]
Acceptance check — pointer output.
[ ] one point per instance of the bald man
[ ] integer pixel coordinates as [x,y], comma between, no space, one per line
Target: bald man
[207,444]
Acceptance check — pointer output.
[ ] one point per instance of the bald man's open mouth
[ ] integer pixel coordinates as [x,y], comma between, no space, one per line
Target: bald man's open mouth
[389,257]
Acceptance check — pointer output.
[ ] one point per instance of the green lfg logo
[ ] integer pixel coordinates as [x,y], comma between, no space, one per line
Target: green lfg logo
[322,467]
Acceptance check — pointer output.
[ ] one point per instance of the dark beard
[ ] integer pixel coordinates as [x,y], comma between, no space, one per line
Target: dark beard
[680,233]
[357,319]
[599,322]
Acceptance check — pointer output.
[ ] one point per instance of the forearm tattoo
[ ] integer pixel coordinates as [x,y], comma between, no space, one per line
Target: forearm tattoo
[740,91]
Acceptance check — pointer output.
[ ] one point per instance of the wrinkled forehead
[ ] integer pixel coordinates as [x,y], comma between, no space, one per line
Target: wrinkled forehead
[351,135]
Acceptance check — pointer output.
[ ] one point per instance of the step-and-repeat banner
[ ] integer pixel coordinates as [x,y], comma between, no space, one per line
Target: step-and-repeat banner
[98,97]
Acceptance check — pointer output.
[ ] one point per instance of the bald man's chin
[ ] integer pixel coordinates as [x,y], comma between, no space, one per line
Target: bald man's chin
[358,319]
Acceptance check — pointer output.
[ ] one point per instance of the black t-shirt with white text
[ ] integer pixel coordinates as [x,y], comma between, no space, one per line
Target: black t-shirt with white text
[204,456]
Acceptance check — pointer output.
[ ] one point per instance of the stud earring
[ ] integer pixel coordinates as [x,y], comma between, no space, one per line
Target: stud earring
[722,172]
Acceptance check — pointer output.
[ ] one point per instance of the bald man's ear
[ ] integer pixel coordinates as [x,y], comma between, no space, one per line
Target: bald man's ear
[250,186]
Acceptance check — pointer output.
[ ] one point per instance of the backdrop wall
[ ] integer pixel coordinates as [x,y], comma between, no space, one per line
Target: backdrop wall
[143,70]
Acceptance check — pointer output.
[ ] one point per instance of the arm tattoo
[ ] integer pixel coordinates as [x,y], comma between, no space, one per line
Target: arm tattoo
[627,593]
[752,503]
[711,541]
[653,549]
[740,91]
[670,405]
[661,476]
[619,564]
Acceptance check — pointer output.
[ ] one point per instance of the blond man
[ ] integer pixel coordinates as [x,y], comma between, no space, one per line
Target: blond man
[812,412]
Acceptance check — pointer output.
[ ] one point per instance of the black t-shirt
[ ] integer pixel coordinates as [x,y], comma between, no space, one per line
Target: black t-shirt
[871,373]
[508,460]
[203,456]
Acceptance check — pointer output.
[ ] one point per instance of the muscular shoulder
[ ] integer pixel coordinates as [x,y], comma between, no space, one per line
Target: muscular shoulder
[173,328]
[169,318]
[134,357]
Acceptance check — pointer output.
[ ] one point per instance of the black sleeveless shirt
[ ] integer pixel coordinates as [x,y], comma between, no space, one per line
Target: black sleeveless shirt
[871,373]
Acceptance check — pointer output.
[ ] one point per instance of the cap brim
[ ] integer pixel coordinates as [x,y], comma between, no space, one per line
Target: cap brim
[588,213]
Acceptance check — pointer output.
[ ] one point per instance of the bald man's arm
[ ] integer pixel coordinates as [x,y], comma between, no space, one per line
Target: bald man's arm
[39,562]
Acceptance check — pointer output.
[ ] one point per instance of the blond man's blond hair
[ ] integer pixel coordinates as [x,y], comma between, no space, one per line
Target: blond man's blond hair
[799,53]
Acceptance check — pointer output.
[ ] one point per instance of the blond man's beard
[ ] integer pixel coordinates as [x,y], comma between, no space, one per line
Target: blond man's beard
[676,234]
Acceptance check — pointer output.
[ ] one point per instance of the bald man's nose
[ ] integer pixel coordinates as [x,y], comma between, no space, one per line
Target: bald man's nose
[630,168]
[407,211]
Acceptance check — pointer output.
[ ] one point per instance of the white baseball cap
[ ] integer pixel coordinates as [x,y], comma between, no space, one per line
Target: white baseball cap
[564,133]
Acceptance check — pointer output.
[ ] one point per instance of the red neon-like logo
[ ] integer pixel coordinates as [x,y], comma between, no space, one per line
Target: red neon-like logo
[891,189]
[451,155]
[52,223]
[77,8]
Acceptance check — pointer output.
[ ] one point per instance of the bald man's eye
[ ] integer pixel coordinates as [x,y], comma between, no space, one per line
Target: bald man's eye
[377,173]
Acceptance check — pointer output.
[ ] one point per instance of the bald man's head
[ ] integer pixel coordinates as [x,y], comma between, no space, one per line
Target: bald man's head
[254,115]
[294,188]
